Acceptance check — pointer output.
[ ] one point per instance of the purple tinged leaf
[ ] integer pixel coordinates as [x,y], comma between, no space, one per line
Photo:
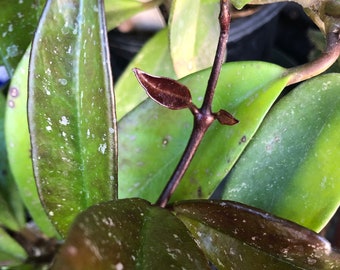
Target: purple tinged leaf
[129,234]
[235,235]
[226,118]
[165,91]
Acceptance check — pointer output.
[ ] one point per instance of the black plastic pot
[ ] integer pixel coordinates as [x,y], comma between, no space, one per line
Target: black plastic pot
[251,38]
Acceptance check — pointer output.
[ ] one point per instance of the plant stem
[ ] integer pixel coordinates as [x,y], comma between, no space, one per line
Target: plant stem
[224,19]
[319,65]
[203,117]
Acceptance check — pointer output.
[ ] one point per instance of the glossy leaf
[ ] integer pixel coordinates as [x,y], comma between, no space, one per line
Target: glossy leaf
[165,91]
[246,89]
[129,234]
[71,118]
[19,147]
[193,37]
[153,58]
[11,208]
[17,25]
[11,253]
[235,236]
[117,11]
[291,166]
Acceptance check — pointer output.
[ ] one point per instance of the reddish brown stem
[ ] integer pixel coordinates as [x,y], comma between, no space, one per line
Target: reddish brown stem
[319,65]
[203,117]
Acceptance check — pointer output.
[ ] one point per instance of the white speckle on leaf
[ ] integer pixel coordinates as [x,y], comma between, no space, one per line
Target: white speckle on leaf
[64,121]
[88,133]
[14,92]
[12,50]
[69,50]
[102,148]
[119,266]
[108,221]
[10,28]
[111,130]
[62,81]
[51,214]
[49,128]
[20,15]
[72,250]
[11,103]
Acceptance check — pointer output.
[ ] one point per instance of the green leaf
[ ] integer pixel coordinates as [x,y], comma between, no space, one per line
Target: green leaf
[153,138]
[235,236]
[19,147]
[193,38]
[117,11]
[71,110]
[18,23]
[11,252]
[153,58]
[129,234]
[291,167]
[11,208]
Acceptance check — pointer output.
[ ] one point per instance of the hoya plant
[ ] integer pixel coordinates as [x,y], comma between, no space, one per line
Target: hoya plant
[101,174]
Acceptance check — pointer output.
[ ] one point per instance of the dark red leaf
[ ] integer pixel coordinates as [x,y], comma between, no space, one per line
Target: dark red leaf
[128,234]
[165,91]
[226,118]
[236,236]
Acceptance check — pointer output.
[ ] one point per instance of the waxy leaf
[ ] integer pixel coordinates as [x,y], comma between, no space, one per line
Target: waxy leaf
[70,105]
[19,147]
[129,234]
[193,37]
[245,89]
[18,21]
[154,58]
[291,167]
[235,236]
[165,91]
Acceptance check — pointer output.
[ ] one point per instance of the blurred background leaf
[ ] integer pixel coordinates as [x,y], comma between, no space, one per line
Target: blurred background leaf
[193,37]
[117,11]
